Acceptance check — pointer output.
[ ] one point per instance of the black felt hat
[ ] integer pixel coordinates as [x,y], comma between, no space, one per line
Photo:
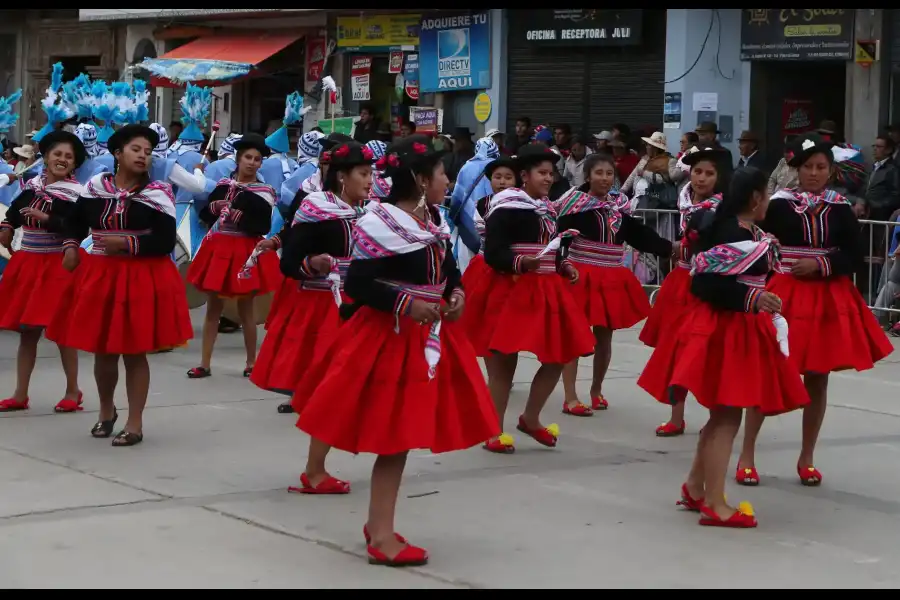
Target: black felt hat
[696,154]
[347,155]
[533,154]
[124,135]
[61,136]
[806,146]
[412,152]
[503,161]
[254,141]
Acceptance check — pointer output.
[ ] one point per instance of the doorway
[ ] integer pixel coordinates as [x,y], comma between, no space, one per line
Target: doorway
[778,88]
[73,66]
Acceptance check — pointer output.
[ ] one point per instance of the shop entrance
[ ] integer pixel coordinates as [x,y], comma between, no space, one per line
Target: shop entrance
[388,105]
[783,94]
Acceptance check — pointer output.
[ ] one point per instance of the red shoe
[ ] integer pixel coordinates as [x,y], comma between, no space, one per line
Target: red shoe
[12,405]
[410,556]
[669,429]
[67,405]
[368,537]
[810,476]
[504,444]
[748,477]
[599,402]
[690,504]
[741,519]
[546,436]
[579,410]
[328,486]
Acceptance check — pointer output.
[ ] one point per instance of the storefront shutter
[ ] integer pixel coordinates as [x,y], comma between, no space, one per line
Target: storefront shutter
[547,85]
[627,89]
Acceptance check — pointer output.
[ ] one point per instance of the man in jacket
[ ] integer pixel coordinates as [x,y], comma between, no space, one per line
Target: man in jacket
[883,188]
[708,132]
[748,144]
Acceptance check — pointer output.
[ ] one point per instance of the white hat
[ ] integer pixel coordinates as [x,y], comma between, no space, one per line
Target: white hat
[32,134]
[604,136]
[657,140]
[25,151]
[492,132]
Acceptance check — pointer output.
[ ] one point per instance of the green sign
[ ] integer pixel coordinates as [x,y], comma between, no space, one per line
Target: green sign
[341,125]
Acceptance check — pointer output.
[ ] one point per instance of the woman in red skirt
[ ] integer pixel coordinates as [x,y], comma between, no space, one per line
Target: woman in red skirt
[400,375]
[502,175]
[522,304]
[240,209]
[316,259]
[674,297]
[127,298]
[831,327]
[609,294]
[729,354]
[34,281]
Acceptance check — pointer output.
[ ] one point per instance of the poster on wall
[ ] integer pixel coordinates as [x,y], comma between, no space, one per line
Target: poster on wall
[411,76]
[796,117]
[797,33]
[395,64]
[315,58]
[672,111]
[455,52]
[360,78]
[425,119]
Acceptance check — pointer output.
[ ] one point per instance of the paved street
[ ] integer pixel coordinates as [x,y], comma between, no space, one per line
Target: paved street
[202,503]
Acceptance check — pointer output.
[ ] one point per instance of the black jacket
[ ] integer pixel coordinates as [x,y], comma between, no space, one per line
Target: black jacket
[883,191]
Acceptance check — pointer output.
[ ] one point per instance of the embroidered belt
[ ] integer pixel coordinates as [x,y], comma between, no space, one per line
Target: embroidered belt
[41,241]
[596,254]
[326,283]
[791,254]
[547,264]
[684,257]
[754,281]
[230,230]
[429,293]
[99,237]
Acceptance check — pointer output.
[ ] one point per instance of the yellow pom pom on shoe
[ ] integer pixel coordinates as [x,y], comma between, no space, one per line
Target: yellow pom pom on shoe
[745,508]
[506,439]
[553,429]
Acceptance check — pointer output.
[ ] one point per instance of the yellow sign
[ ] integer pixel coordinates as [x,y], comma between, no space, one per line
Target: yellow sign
[482,107]
[866,52]
[378,31]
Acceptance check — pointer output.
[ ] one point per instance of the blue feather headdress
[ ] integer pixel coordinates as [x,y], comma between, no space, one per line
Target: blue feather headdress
[56,112]
[77,93]
[8,118]
[140,112]
[195,105]
[293,113]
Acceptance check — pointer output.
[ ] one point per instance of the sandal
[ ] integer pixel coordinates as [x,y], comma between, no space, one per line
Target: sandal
[328,486]
[548,436]
[579,410]
[127,438]
[285,408]
[13,405]
[669,429]
[599,402]
[248,371]
[504,444]
[228,326]
[689,503]
[368,537]
[810,476]
[199,373]
[741,519]
[747,476]
[410,556]
[67,405]
[103,429]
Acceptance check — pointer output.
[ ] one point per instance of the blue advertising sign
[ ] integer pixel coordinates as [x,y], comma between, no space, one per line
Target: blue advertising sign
[455,52]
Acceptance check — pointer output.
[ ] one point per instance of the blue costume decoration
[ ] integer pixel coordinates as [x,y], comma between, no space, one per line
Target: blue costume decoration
[278,167]
[223,167]
[308,151]
[109,103]
[8,119]
[471,186]
[57,111]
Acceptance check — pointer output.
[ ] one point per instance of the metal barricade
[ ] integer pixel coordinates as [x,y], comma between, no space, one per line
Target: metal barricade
[873,280]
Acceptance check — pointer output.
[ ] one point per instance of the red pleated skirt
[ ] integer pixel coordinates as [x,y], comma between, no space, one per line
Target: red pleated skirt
[672,302]
[31,288]
[221,257]
[525,313]
[475,270]
[830,326]
[725,358]
[123,305]
[611,297]
[370,392]
[300,331]
[283,297]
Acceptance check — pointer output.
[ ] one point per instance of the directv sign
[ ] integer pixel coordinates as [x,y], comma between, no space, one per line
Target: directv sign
[455,52]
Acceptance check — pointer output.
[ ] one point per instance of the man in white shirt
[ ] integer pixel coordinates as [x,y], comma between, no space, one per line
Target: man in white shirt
[573,169]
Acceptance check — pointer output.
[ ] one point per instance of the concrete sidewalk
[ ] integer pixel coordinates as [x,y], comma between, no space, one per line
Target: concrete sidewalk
[202,503]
